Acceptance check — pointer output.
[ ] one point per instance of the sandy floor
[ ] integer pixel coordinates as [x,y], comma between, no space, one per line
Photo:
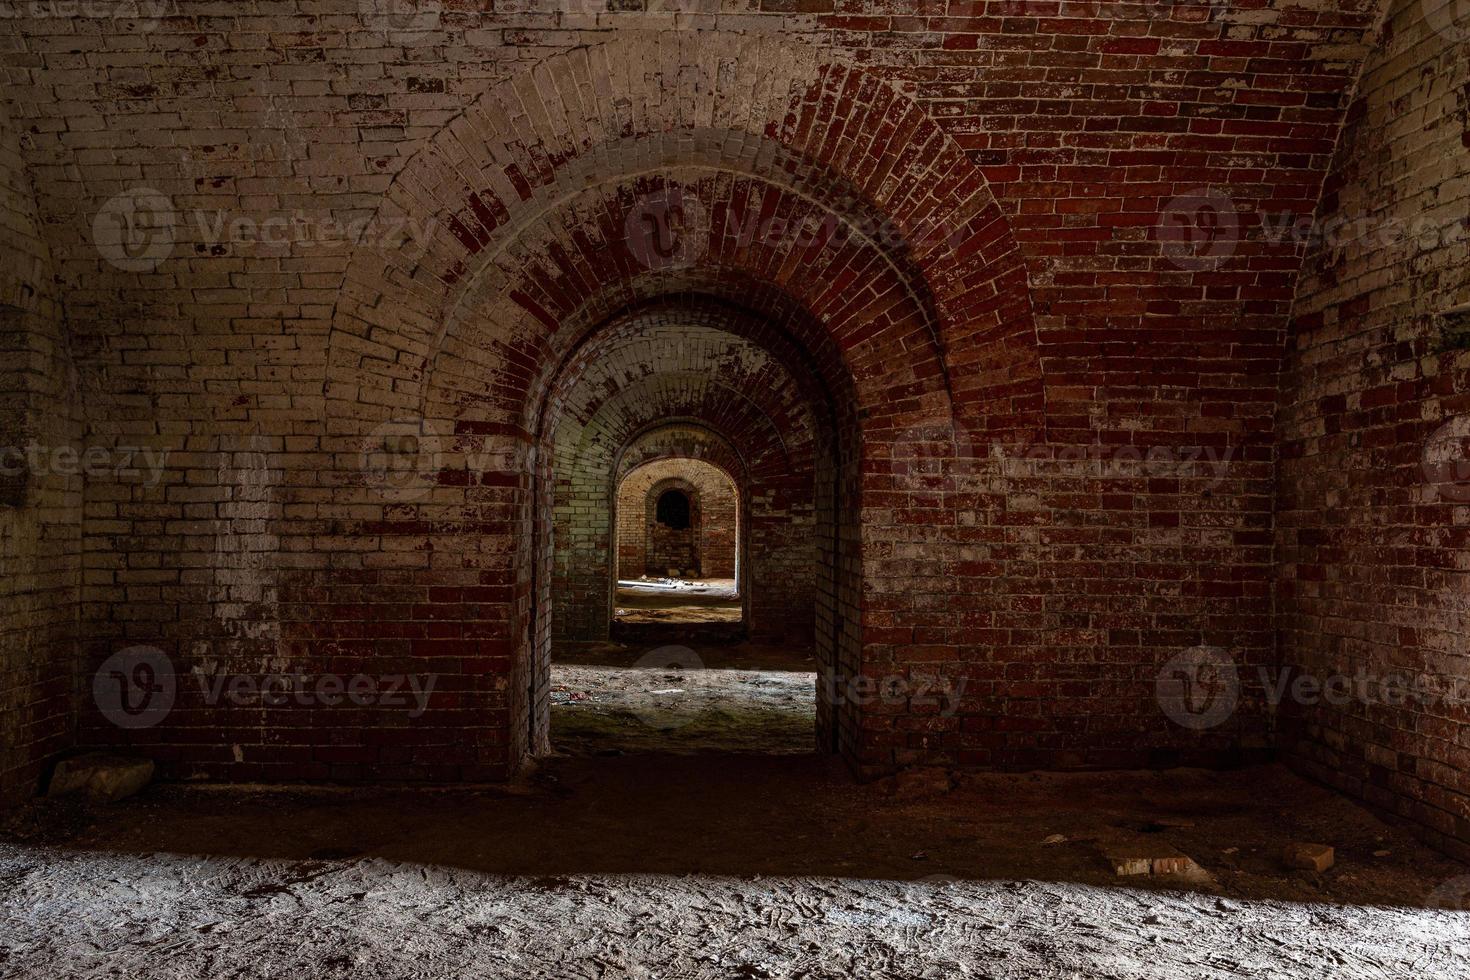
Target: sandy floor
[669,866]
[681,708]
[648,847]
[678,601]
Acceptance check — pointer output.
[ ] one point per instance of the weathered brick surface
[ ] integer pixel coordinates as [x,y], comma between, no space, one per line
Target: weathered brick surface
[1375,466]
[611,405]
[40,506]
[704,549]
[1010,165]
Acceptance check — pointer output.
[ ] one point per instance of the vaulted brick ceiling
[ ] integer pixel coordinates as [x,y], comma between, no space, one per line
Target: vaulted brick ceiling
[662,368]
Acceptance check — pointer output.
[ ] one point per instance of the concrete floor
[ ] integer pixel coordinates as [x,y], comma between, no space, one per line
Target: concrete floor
[672,860]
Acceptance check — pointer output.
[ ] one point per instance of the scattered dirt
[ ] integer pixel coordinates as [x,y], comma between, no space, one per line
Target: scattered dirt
[727,866]
[724,656]
[682,857]
[610,710]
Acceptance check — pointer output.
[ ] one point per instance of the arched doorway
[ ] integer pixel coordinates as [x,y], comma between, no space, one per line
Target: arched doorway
[741,204]
[679,536]
[688,397]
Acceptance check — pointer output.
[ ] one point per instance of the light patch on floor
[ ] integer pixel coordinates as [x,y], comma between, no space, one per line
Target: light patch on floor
[726,866]
[678,601]
[688,708]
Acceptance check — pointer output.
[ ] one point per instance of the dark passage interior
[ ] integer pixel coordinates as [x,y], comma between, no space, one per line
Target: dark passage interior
[700,522]
[718,488]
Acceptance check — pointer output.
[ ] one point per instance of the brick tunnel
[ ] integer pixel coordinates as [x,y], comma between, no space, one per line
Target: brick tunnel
[1017,436]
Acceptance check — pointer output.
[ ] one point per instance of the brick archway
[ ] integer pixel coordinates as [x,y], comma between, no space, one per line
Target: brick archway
[653,505]
[900,295]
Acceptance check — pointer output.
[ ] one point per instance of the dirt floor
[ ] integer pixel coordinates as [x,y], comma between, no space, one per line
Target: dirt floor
[667,600]
[613,699]
[643,850]
[724,866]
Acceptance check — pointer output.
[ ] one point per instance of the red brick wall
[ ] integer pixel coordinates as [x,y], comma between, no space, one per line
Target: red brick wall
[41,450]
[754,418]
[670,547]
[1048,146]
[711,541]
[1374,499]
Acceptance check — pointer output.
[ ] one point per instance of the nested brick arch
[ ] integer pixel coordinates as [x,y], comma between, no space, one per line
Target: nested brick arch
[641,372]
[533,305]
[519,228]
[715,522]
[683,439]
[679,446]
[666,342]
[536,194]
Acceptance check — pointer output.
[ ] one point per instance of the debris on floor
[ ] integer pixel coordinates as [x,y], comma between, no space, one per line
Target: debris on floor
[676,600]
[103,778]
[597,710]
[1308,857]
[666,866]
[1146,857]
